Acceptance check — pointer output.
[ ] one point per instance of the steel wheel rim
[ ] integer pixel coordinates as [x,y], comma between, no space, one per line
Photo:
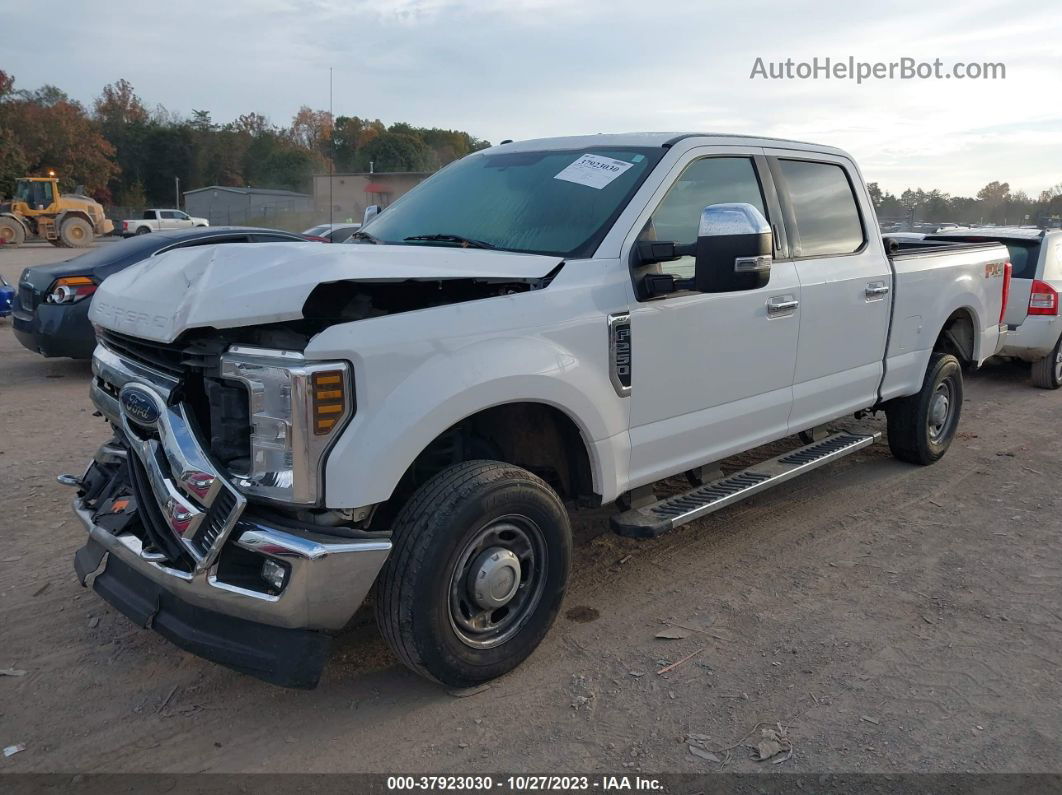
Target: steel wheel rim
[940,410]
[485,627]
[7,234]
[77,233]
[1058,363]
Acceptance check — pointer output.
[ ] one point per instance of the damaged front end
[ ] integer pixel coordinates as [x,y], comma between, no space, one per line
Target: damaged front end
[181,506]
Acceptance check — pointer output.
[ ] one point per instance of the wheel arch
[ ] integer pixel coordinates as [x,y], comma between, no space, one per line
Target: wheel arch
[18,219]
[62,217]
[532,434]
[959,336]
[535,428]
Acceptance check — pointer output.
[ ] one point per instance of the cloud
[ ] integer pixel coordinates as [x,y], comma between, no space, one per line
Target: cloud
[530,68]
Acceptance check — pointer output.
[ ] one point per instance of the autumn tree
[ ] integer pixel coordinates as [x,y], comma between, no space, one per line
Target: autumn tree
[45,129]
[312,130]
[118,105]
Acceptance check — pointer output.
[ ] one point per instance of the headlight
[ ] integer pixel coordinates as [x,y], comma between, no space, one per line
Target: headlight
[70,289]
[297,409]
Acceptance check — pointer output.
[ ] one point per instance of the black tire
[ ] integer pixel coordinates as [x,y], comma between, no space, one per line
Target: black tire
[918,432]
[76,233]
[419,591]
[12,233]
[1047,372]
[142,230]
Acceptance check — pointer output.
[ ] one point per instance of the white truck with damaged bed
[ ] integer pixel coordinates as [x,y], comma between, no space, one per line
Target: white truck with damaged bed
[539,327]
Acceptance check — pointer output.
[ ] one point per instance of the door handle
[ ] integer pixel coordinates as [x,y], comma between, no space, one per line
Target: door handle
[876,290]
[781,305]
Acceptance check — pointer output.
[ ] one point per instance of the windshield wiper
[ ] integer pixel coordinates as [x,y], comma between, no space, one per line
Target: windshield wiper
[465,242]
[359,235]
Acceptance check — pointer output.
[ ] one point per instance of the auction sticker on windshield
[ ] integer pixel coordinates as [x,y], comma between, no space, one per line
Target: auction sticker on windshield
[594,171]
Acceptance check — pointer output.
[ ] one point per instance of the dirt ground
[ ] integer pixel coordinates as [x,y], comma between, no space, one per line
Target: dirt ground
[888,617]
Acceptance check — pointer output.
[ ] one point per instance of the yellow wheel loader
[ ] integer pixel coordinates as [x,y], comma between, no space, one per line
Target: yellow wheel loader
[38,210]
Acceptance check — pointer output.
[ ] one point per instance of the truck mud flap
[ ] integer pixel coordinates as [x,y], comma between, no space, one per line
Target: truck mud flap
[285,657]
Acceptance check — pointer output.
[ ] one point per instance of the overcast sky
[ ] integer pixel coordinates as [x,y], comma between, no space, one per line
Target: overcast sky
[531,68]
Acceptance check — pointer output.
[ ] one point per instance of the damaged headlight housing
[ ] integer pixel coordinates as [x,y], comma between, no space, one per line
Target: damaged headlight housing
[297,409]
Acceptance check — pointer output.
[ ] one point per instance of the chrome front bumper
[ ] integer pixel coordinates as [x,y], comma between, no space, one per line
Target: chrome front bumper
[328,579]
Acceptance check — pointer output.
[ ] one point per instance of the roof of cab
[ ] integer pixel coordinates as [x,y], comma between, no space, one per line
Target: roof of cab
[662,139]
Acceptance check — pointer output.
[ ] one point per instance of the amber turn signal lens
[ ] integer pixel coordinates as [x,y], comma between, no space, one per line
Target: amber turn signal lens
[329,400]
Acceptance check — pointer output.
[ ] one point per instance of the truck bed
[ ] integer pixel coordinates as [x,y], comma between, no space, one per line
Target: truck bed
[903,248]
[936,280]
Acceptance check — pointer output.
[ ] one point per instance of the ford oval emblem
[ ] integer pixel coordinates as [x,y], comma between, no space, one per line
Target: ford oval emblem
[139,405]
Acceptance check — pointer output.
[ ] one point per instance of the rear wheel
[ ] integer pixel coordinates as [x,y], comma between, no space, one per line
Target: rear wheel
[1047,372]
[922,426]
[76,233]
[477,573]
[12,233]
[143,230]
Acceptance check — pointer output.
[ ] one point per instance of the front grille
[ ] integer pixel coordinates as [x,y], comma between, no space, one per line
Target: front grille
[176,443]
[27,298]
[158,534]
[163,358]
[214,522]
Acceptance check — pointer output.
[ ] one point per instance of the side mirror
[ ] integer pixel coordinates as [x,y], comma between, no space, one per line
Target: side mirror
[735,249]
[371,212]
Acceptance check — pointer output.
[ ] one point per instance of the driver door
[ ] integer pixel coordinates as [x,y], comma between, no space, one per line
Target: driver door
[712,374]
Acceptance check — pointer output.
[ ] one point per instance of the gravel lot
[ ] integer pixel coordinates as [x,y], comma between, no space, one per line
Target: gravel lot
[890,618]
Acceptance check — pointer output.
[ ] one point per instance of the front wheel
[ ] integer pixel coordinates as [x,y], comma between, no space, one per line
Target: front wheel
[477,572]
[76,233]
[1047,372]
[922,426]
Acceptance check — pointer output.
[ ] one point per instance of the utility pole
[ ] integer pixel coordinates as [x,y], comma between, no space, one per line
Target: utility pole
[177,192]
[332,159]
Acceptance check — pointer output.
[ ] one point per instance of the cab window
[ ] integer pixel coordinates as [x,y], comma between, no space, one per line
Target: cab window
[710,180]
[825,208]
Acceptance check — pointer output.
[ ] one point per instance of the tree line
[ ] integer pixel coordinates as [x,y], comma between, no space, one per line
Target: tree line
[993,204]
[125,154]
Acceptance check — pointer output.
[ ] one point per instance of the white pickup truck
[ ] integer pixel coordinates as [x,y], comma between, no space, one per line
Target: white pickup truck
[157,220]
[539,327]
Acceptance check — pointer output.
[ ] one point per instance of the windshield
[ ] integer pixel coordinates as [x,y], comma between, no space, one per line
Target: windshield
[1023,258]
[1024,254]
[549,202]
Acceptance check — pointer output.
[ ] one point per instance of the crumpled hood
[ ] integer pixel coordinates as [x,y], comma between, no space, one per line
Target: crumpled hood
[228,286]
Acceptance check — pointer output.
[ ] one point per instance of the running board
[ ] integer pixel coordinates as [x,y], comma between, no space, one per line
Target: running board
[671,512]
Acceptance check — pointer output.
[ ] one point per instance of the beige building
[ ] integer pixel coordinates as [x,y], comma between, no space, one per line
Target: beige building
[350,194]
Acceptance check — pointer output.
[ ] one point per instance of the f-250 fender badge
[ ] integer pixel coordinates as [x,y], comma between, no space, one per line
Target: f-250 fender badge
[619,352]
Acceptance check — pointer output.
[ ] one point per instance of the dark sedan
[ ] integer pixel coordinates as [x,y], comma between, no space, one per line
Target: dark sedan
[50,311]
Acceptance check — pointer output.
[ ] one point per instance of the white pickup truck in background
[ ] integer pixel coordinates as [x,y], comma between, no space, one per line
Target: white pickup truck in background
[157,220]
[539,327]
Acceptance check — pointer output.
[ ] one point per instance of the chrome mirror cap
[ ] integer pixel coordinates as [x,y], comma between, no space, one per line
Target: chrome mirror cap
[737,218]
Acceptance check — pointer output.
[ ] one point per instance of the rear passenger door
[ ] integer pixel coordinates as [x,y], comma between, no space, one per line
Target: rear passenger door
[845,285]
